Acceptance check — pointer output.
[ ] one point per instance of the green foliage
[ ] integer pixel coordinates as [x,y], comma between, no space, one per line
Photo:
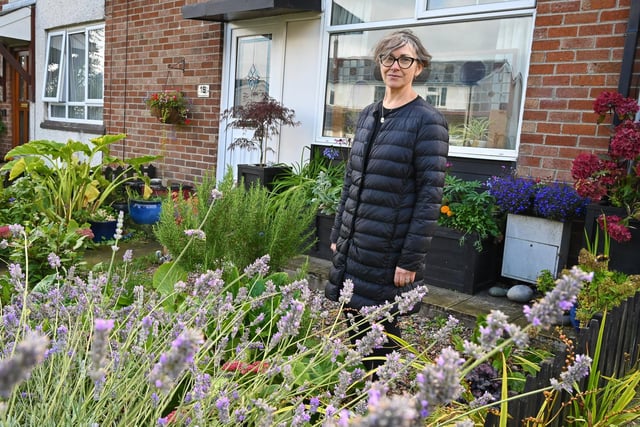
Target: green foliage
[32,249]
[240,227]
[607,290]
[545,281]
[469,209]
[68,177]
[19,202]
[320,180]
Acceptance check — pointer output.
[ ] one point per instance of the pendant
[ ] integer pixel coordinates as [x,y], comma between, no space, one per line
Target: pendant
[382,119]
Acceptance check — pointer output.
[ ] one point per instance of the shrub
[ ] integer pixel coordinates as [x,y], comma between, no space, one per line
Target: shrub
[468,208]
[241,226]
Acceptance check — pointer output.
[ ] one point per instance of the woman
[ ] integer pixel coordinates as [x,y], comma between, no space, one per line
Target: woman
[392,188]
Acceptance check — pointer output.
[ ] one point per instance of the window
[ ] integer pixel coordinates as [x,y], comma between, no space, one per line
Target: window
[74,75]
[476,82]
[433,8]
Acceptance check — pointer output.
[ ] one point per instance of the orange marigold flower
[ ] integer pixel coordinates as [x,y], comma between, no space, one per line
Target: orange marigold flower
[445,209]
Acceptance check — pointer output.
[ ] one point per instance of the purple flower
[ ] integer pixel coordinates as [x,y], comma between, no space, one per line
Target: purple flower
[17,368]
[128,255]
[198,234]
[172,363]
[551,307]
[54,260]
[259,266]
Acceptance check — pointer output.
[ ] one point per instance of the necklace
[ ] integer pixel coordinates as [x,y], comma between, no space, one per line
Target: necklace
[383,110]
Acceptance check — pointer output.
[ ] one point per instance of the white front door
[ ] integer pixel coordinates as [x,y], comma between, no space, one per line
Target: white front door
[253,67]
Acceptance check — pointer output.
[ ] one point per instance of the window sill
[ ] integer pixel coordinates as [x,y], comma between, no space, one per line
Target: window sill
[73,127]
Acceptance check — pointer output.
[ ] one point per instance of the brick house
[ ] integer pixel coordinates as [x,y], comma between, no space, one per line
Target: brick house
[528,69]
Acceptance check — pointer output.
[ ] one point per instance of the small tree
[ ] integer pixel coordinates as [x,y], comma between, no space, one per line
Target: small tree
[265,117]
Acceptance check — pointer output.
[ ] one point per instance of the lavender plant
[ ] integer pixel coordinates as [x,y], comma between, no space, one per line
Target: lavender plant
[233,349]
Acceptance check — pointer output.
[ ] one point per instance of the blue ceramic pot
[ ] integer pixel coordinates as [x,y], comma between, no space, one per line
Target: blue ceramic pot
[145,211]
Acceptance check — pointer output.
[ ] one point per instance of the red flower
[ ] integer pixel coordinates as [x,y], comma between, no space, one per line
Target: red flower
[244,368]
[613,176]
[615,227]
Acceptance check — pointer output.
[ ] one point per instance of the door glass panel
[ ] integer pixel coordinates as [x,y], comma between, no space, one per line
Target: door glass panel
[357,11]
[445,4]
[253,71]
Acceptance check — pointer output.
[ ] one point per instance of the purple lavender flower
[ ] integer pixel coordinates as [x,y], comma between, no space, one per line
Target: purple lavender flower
[576,371]
[16,230]
[198,234]
[259,266]
[346,292]
[100,353]
[172,363]
[17,368]
[552,306]
[128,256]
[215,195]
[54,260]
[222,404]
[440,383]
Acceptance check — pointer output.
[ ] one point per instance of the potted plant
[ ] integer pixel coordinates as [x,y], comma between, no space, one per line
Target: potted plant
[476,132]
[169,106]
[538,229]
[69,176]
[144,206]
[262,119]
[103,223]
[465,247]
[612,183]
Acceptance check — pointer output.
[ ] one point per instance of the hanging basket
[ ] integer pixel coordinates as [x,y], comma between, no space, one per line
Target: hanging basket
[162,105]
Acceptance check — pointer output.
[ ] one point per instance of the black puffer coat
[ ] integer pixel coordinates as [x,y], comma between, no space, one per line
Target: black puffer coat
[390,201]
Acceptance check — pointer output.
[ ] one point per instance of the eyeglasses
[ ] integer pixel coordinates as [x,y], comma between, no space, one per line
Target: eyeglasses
[403,62]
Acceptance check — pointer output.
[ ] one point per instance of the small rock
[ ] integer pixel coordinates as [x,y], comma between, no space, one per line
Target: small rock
[497,291]
[520,293]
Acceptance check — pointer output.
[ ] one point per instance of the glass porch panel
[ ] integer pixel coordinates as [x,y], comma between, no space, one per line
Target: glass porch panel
[253,70]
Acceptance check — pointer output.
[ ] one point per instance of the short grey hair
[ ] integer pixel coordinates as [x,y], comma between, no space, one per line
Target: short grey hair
[400,38]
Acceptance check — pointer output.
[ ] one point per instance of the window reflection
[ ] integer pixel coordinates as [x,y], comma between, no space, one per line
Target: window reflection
[357,11]
[477,83]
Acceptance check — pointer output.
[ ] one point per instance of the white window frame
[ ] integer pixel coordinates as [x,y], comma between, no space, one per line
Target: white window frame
[62,96]
[63,54]
[422,12]
[504,10]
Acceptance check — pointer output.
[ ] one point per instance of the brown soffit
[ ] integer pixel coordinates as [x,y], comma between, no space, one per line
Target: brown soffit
[235,10]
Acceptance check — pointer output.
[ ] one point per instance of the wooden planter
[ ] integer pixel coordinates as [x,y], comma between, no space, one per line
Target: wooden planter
[623,257]
[534,244]
[459,267]
[260,175]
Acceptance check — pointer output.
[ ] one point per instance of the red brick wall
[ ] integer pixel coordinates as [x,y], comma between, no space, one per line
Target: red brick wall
[143,38]
[577,53]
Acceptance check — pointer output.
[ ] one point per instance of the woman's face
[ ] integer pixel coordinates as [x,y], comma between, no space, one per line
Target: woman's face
[396,77]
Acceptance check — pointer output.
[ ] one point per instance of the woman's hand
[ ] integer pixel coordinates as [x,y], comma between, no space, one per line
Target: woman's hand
[403,277]
[333,247]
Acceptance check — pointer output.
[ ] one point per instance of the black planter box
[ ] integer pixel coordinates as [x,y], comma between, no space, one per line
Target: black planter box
[623,257]
[322,246]
[261,175]
[461,268]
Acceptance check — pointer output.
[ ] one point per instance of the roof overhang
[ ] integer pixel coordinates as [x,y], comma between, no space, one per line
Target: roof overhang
[15,25]
[235,10]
